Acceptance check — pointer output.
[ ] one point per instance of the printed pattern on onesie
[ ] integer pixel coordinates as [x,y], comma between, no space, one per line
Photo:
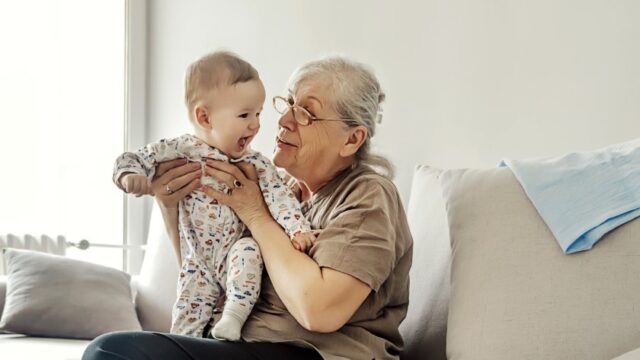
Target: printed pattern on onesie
[208,230]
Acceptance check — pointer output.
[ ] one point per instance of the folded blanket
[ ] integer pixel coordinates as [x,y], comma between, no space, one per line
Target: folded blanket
[583,195]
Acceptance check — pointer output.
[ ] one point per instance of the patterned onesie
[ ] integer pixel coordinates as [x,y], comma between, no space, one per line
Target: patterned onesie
[215,259]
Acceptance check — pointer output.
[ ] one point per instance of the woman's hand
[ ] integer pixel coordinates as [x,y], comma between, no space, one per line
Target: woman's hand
[245,197]
[304,241]
[174,180]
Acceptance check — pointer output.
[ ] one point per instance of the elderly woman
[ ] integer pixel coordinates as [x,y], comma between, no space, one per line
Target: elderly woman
[345,297]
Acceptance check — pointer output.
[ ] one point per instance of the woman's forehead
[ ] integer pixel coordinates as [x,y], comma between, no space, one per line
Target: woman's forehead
[315,91]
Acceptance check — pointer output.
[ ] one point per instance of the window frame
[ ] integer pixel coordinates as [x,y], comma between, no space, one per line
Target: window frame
[136,210]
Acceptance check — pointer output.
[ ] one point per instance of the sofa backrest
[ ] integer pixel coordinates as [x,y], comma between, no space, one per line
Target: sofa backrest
[156,284]
[516,295]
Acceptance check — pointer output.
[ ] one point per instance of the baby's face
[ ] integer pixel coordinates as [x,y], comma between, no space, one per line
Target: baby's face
[234,116]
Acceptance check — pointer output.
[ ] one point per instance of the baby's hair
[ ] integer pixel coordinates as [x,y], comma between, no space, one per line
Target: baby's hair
[213,70]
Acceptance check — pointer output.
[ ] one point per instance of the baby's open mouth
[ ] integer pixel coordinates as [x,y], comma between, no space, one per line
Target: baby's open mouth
[243,141]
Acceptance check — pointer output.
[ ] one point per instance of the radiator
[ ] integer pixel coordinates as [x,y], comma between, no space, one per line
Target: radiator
[44,243]
[47,244]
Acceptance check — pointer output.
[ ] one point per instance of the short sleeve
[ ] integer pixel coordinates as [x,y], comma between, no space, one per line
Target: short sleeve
[359,238]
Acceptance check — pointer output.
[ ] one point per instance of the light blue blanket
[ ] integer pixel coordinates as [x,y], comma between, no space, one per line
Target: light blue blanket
[583,195]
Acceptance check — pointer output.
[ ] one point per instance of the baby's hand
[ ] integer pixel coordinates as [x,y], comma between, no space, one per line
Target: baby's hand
[136,184]
[303,241]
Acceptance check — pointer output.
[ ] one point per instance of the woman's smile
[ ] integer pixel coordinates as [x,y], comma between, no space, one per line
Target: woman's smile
[283,144]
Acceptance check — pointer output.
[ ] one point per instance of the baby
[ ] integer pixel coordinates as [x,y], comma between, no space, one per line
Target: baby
[224,96]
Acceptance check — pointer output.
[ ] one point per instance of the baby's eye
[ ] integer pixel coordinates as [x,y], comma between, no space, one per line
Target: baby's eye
[257,114]
[244,116]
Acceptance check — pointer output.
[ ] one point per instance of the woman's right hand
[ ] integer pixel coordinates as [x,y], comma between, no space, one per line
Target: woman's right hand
[175,179]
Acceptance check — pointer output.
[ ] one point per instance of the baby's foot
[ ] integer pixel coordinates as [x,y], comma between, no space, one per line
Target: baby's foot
[228,327]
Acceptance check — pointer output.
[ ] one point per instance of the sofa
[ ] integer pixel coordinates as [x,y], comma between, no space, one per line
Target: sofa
[511,292]
[488,280]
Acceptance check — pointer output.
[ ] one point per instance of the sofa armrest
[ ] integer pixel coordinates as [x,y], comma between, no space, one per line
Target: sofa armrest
[3,291]
[3,295]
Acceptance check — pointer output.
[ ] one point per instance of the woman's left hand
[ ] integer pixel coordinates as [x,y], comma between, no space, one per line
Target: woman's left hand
[245,197]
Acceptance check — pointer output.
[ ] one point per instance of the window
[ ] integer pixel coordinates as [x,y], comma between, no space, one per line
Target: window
[62,89]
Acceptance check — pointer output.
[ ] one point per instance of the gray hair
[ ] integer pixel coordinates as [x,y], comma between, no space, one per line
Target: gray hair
[356,95]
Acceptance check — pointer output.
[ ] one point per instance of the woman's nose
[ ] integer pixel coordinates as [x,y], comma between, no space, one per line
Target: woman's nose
[287,120]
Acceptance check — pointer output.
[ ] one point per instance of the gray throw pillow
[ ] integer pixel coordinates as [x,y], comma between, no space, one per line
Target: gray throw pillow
[50,295]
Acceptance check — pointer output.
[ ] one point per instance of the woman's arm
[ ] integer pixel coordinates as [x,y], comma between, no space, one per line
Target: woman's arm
[320,299]
[182,178]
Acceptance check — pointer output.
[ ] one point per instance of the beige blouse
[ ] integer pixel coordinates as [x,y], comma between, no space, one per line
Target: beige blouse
[365,234]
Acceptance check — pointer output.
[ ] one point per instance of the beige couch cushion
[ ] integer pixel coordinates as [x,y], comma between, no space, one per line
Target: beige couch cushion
[424,330]
[631,355]
[515,295]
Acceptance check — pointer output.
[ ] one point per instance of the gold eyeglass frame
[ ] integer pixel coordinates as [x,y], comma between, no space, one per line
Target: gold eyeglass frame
[296,107]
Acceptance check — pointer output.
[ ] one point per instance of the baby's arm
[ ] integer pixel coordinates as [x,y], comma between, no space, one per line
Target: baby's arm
[283,205]
[133,171]
[136,184]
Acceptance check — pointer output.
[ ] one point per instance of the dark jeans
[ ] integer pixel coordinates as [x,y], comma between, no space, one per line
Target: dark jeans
[145,345]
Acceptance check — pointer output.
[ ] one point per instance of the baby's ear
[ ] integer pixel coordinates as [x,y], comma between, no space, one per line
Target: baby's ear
[201,115]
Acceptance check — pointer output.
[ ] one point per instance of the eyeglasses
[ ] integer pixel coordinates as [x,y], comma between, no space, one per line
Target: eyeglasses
[300,114]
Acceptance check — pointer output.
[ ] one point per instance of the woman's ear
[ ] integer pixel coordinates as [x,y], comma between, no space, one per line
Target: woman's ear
[356,137]
[202,117]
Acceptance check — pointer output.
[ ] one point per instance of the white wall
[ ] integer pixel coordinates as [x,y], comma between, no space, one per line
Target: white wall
[468,82]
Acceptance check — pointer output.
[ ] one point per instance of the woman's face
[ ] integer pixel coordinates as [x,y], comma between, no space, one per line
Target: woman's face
[312,150]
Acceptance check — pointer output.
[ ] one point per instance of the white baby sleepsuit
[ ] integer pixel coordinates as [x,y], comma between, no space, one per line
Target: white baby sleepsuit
[216,260]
